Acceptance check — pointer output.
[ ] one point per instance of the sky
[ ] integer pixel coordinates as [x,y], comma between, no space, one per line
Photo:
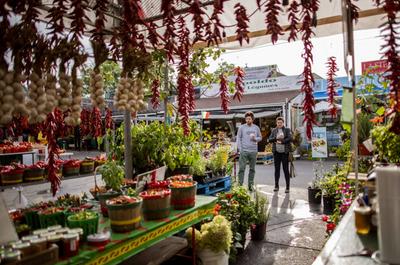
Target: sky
[288,55]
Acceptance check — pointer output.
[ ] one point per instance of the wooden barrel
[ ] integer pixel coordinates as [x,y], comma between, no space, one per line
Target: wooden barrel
[125,217]
[34,174]
[12,177]
[87,167]
[156,207]
[183,198]
[71,171]
[103,197]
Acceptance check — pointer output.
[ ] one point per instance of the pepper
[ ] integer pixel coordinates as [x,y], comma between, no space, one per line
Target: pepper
[272,10]
[294,20]
[239,83]
[242,20]
[332,85]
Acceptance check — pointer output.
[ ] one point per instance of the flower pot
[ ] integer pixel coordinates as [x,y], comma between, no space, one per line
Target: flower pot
[124,217]
[329,204]
[314,196]
[34,174]
[156,206]
[103,197]
[362,150]
[209,257]
[258,231]
[87,166]
[184,197]
[89,226]
[13,177]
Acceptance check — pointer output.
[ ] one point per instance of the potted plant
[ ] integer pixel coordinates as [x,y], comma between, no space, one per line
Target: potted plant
[113,176]
[199,170]
[261,215]
[218,161]
[364,128]
[314,187]
[238,208]
[124,212]
[209,250]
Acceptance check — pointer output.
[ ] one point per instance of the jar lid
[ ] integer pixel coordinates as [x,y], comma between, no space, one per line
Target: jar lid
[45,235]
[76,230]
[12,244]
[71,236]
[98,237]
[54,238]
[12,254]
[62,231]
[22,245]
[38,240]
[53,227]
[29,238]
[40,231]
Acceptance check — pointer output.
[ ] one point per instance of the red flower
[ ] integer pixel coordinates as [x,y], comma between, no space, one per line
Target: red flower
[330,227]
[217,208]
[228,195]
[325,218]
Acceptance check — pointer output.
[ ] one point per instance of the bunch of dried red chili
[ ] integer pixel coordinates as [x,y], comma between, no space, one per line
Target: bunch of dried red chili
[332,85]
[239,83]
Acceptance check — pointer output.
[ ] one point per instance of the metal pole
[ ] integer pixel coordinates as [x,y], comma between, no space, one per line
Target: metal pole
[128,145]
[166,89]
[349,65]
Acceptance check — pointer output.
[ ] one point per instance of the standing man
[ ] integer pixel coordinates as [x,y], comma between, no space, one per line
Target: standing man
[247,140]
[281,138]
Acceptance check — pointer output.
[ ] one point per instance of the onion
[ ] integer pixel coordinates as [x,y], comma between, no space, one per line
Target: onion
[9,78]
[6,118]
[8,98]
[8,90]
[6,107]
[2,85]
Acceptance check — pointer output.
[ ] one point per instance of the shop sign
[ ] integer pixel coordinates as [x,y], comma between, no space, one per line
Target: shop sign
[319,143]
[374,67]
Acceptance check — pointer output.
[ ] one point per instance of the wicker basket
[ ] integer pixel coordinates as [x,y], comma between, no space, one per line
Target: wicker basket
[87,166]
[156,207]
[71,171]
[125,217]
[89,226]
[34,174]
[47,220]
[13,177]
[183,198]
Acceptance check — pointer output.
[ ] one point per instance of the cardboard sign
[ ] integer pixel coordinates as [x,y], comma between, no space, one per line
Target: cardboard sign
[319,143]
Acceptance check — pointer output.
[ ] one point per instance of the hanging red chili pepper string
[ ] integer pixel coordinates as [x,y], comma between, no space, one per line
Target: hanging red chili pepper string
[198,21]
[332,85]
[168,12]
[293,11]
[242,20]
[216,21]
[391,48]
[272,10]
[155,93]
[109,123]
[223,90]
[239,83]
[309,8]
[97,127]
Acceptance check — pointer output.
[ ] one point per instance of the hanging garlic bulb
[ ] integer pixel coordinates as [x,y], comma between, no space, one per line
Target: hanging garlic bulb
[97,90]
[37,99]
[51,93]
[64,95]
[12,95]
[130,95]
[74,119]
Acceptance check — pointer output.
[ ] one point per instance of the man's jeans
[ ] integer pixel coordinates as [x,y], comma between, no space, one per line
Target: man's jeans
[251,157]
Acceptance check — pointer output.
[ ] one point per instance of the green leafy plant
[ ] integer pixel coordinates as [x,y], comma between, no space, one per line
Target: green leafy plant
[343,151]
[112,174]
[219,228]
[387,144]
[198,168]
[261,213]
[219,159]
[364,126]
[238,208]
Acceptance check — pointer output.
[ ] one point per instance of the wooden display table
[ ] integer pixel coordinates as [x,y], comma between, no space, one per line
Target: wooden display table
[125,245]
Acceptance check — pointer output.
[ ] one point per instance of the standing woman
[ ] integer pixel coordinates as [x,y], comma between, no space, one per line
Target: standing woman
[281,138]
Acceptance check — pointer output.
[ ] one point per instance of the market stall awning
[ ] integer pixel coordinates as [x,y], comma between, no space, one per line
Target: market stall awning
[249,101]
[261,114]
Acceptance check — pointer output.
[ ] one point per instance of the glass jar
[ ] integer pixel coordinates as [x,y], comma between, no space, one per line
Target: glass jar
[62,231]
[71,245]
[39,244]
[58,240]
[78,231]
[47,235]
[24,248]
[11,256]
